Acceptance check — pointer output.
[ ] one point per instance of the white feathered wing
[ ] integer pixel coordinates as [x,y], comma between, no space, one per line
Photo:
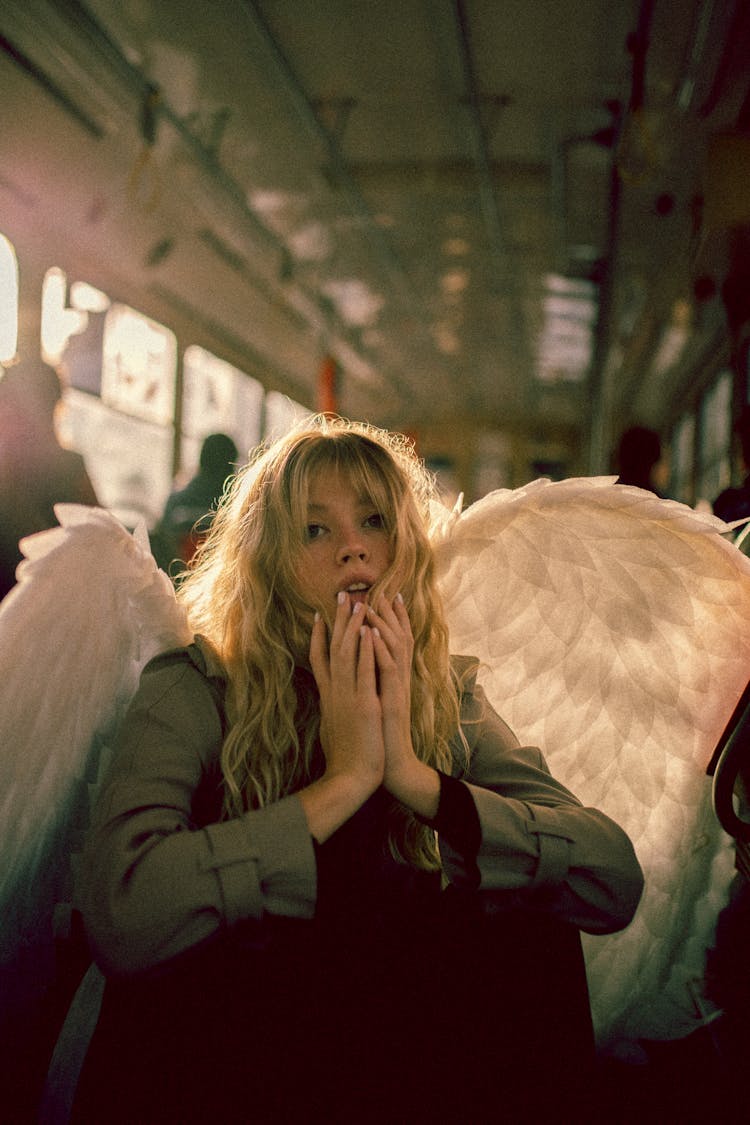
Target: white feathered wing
[90,608]
[614,628]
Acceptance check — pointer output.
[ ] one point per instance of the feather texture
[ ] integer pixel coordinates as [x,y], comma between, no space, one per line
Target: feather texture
[614,631]
[89,609]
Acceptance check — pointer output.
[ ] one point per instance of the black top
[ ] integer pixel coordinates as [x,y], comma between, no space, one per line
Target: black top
[399,1001]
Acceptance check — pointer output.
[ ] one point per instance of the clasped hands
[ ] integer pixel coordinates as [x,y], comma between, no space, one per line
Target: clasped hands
[364,680]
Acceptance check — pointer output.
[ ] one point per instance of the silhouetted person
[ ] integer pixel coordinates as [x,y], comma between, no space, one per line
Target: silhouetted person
[189,511]
[734,503]
[36,472]
[638,453]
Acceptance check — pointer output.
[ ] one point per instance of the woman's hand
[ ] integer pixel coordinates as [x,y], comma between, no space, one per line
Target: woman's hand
[409,780]
[351,722]
[350,710]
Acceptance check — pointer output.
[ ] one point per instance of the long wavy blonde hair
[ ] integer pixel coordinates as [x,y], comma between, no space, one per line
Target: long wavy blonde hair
[242,595]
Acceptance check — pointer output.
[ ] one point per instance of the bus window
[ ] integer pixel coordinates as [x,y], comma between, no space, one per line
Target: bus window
[8,301]
[127,434]
[217,398]
[281,413]
[59,323]
[715,439]
[139,366]
[129,460]
[80,363]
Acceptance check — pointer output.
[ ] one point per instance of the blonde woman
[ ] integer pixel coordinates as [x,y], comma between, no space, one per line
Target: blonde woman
[324,881]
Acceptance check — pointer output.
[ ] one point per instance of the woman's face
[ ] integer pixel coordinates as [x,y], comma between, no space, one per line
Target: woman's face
[347,543]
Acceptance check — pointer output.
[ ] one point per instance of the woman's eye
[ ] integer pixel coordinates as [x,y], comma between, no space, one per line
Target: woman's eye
[375,520]
[313,531]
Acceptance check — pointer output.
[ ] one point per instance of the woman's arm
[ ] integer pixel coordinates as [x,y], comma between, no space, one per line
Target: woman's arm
[154,882]
[536,837]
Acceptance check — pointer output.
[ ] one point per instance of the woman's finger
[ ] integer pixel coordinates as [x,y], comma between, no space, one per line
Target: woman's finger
[392,621]
[345,634]
[366,661]
[402,614]
[319,652]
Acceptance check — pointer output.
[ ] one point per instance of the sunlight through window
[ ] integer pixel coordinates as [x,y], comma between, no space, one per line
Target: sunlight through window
[8,301]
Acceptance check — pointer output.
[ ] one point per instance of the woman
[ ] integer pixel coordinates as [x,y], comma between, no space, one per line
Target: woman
[324,881]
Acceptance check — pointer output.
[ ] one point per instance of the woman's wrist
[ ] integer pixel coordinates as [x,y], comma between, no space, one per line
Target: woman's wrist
[332,800]
[417,786]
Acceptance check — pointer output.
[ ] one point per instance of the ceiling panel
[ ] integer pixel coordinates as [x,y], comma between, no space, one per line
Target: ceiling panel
[408,186]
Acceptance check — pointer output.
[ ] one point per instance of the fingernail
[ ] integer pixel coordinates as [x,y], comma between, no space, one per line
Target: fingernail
[357,607]
[399,597]
[375,631]
[341,596]
[317,615]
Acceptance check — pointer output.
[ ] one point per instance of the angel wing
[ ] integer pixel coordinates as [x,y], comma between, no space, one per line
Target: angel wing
[614,629]
[89,609]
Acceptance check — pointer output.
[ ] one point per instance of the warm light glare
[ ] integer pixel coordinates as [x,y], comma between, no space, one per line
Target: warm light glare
[8,301]
[218,397]
[139,365]
[354,300]
[455,281]
[135,340]
[446,339]
[86,298]
[58,322]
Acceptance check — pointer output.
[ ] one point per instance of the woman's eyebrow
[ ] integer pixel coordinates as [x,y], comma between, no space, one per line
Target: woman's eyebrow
[363,502]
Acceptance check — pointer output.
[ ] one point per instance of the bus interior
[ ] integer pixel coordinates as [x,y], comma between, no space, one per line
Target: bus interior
[511,229]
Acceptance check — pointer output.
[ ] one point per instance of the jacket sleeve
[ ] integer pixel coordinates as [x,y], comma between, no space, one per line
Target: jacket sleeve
[538,846]
[153,882]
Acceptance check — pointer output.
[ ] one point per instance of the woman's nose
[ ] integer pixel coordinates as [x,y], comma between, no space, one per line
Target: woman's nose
[351,547]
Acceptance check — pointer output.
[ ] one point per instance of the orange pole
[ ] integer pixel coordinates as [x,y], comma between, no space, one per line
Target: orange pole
[328,386]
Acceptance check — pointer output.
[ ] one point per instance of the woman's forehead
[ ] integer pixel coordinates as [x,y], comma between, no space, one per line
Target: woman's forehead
[328,481]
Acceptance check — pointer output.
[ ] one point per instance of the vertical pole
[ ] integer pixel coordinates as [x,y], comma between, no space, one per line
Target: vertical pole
[328,386]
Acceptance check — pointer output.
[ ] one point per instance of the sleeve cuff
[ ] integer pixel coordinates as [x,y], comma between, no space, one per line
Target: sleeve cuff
[457,821]
[265,862]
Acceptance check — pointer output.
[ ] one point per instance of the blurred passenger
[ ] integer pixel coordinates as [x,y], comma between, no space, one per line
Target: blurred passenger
[734,503]
[36,471]
[638,456]
[189,511]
